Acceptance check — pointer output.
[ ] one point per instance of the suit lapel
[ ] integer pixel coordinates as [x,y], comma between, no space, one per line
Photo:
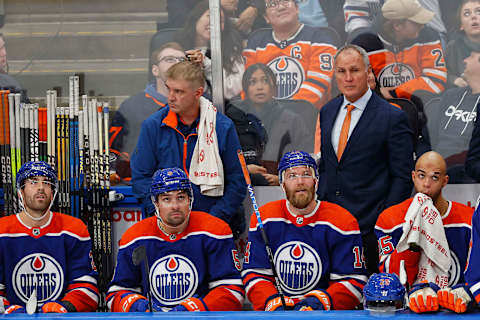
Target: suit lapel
[362,125]
[330,121]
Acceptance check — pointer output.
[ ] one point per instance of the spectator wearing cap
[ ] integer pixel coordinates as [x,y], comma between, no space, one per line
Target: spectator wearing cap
[406,57]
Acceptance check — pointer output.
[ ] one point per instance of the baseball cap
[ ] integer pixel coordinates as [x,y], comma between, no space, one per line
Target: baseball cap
[406,9]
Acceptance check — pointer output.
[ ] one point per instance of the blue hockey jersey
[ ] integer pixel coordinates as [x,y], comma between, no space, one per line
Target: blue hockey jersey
[55,260]
[389,229]
[197,262]
[322,250]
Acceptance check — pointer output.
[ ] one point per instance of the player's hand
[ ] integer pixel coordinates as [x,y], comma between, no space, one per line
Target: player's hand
[274,303]
[191,304]
[132,302]
[423,297]
[53,307]
[314,300]
[15,308]
[458,298]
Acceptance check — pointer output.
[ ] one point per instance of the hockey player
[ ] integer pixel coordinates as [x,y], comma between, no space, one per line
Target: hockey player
[45,254]
[189,254]
[429,178]
[301,56]
[406,57]
[317,247]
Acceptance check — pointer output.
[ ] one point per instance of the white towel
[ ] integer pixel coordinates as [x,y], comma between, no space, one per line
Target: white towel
[206,168]
[424,227]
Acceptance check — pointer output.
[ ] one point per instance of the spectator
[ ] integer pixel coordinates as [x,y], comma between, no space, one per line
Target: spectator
[323,13]
[406,57]
[125,125]
[170,138]
[6,80]
[283,130]
[464,42]
[317,247]
[196,35]
[366,152]
[362,15]
[299,55]
[429,178]
[472,74]
[188,253]
[451,121]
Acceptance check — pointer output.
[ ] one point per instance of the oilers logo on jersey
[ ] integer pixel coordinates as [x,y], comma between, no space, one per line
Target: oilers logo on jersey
[290,76]
[39,272]
[395,74]
[174,278]
[299,267]
[455,270]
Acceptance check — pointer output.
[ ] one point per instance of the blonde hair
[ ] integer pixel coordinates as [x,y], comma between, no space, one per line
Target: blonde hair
[188,71]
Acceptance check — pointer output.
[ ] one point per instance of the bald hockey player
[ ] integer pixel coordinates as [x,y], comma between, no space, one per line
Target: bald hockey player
[45,254]
[301,56]
[429,178]
[188,254]
[317,247]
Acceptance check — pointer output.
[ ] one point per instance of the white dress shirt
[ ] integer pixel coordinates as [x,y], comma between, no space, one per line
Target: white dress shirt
[360,105]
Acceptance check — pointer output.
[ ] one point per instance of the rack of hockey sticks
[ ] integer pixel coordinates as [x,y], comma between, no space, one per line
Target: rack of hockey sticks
[74,140]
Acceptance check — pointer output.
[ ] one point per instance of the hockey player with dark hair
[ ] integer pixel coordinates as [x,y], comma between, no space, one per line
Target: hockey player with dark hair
[188,253]
[316,245]
[429,178]
[43,254]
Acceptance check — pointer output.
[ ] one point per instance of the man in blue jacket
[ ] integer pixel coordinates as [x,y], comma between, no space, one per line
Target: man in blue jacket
[168,139]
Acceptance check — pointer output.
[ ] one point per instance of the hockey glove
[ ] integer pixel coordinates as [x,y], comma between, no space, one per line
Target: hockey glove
[458,298]
[15,308]
[274,303]
[314,300]
[423,297]
[132,302]
[191,304]
[53,307]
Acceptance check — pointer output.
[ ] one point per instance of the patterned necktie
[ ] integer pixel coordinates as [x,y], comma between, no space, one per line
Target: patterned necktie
[342,141]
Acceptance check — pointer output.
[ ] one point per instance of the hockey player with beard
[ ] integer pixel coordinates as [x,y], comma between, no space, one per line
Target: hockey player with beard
[317,247]
[189,254]
[43,253]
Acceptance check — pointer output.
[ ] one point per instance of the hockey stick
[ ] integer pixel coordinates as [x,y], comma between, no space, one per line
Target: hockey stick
[139,254]
[32,302]
[251,193]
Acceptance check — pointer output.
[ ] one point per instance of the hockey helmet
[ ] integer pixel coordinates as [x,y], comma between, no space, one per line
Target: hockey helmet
[383,293]
[35,169]
[170,179]
[296,159]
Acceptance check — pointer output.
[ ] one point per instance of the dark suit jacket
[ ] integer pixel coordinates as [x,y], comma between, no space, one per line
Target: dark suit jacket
[472,164]
[375,169]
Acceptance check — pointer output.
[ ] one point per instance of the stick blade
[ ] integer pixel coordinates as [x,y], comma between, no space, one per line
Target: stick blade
[138,255]
[32,302]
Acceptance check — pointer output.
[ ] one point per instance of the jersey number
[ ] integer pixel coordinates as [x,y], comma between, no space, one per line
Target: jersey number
[359,258]
[438,53]
[385,245]
[325,61]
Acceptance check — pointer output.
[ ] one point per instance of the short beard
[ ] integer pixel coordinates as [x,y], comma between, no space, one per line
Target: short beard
[301,202]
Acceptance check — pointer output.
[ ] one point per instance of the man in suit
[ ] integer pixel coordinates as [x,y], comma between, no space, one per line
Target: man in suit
[366,149]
